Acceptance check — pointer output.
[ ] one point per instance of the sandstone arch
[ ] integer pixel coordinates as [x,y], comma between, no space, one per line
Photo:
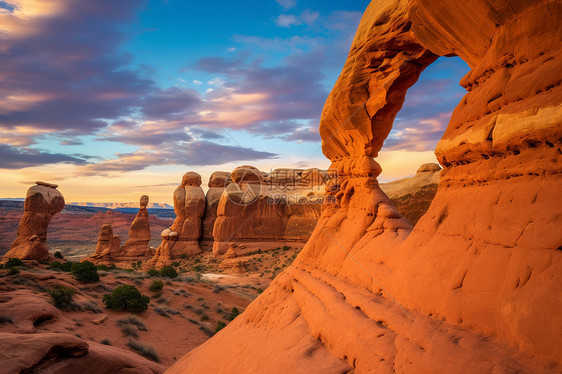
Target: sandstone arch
[475,286]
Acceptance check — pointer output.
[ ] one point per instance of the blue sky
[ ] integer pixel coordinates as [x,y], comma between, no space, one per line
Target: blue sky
[104,97]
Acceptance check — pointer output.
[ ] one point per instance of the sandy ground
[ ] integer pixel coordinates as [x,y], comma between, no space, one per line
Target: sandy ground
[179,318]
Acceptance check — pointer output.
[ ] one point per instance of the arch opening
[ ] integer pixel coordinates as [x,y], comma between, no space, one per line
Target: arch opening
[410,170]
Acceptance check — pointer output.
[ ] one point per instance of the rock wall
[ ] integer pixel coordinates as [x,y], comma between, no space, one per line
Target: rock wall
[475,286]
[42,202]
[266,210]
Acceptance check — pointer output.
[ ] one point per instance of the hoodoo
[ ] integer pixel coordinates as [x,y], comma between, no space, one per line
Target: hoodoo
[42,202]
[475,285]
[183,237]
[139,234]
[108,247]
[217,183]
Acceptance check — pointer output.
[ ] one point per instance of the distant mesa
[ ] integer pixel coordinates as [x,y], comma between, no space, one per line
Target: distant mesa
[122,205]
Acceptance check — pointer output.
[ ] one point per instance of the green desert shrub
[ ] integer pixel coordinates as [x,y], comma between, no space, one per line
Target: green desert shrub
[220,325]
[62,296]
[85,272]
[153,272]
[156,285]
[126,298]
[168,272]
[13,262]
[62,266]
[13,270]
[58,254]
[233,314]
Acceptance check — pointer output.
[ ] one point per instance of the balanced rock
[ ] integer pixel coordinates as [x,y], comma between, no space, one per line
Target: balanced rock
[42,202]
[139,234]
[475,285]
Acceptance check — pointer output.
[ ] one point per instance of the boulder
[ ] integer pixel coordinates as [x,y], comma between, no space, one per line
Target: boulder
[67,354]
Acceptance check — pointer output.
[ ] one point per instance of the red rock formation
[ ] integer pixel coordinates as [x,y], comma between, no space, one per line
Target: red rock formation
[42,202]
[183,237]
[412,196]
[475,286]
[68,354]
[108,248]
[217,183]
[266,210]
[139,234]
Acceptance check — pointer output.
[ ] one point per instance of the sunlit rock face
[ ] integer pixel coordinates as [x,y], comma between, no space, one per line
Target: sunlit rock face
[42,202]
[183,237]
[261,210]
[217,183]
[108,248]
[475,285]
[412,196]
[139,234]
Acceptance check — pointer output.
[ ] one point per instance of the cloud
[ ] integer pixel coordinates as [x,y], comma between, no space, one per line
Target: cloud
[53,79]
[18,158]
[287,4]
[199,153]
[307,17]
[417,135]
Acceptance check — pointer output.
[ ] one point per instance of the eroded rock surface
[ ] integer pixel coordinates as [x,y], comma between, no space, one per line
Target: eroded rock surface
[182,238]
[108,248]
[139,234]
[42,202]
[412,196]
[217,183]
[265,210]
[475,286]
[62,353]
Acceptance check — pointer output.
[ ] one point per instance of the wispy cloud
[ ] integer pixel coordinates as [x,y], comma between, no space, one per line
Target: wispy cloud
[307,17]
[287,4]
[21,157]
[200,153]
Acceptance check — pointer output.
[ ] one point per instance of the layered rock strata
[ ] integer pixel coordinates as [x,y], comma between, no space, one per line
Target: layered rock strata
[475,286]
[42,202]
[264,210]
